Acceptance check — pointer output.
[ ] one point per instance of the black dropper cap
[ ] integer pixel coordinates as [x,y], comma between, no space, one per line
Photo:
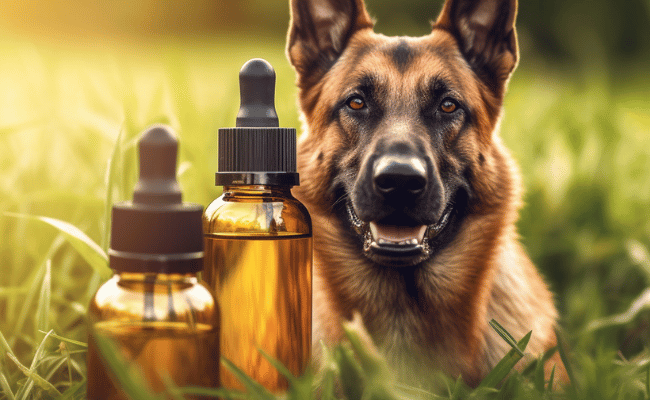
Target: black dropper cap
[257,151]
[157,232]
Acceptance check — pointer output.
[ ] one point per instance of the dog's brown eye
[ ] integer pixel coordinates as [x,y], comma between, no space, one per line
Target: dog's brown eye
[356,103]
[448,106]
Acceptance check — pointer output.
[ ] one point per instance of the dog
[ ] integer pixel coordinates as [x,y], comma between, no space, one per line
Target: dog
[413,195]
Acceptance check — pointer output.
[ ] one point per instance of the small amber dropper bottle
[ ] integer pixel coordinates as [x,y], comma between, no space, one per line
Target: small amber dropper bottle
[154,309]
[258,240]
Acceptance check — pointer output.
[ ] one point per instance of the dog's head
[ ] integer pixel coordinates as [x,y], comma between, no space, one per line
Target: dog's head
[400,131]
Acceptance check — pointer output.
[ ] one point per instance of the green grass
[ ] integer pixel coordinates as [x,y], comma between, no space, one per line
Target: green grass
[69,121]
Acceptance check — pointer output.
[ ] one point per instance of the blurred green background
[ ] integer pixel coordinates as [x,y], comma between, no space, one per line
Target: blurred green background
[80,80]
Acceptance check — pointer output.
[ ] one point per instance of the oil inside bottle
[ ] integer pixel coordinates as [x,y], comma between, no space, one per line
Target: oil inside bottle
[161,350]
[263,285]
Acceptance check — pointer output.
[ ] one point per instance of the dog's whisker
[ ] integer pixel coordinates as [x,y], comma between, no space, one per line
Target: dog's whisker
[338,201]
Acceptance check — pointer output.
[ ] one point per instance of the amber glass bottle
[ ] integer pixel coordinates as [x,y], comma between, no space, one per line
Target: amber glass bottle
[154,309]
[258,241]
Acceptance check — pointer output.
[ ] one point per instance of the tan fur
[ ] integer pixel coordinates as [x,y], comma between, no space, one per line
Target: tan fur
[482,274]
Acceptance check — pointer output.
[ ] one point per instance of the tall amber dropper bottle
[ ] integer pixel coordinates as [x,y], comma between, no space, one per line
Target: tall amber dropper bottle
[161,318]
[258,240]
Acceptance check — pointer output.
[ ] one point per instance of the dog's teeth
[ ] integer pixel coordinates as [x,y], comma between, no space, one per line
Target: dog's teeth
[407,242]
[420,235]
[395,235]
[373,230]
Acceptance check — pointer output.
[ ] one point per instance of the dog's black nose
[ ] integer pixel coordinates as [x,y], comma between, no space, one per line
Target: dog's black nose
[399,176]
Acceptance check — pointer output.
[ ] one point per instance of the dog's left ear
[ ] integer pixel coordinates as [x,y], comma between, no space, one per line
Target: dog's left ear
[319,31]
[485,31]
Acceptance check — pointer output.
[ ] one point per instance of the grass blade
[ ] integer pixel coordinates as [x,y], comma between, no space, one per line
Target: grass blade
[217,393]
[38,355]
[128,375]
[638,305]
[6,389]
[87,248]
[299,387]
[64,339]
[565,360]
[350,373]
[379,382]
[538,378]
[68,359]
[370,359]
[551,379]
[456,393]
[36,275]
[328,372]
[5,346]
[27,303]
[639,254]
[44,299]
[35,378]
[74,391]
[253,388]
[530,368]
[56,364]
[507,363]
[647,381]
[506,336]
[326,385]
[171,390]
[278,365]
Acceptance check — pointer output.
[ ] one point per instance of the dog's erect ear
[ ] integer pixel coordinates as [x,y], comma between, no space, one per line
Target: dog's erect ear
[485,31]
[320,30]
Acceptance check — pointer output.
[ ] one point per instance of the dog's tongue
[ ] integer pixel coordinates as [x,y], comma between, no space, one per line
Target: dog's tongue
[391,234]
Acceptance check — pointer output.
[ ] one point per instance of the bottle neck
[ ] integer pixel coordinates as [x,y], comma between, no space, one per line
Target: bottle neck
[257,190]
[150,277]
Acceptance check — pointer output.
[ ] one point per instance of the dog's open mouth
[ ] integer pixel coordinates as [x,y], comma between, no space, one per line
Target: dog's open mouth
[396,245]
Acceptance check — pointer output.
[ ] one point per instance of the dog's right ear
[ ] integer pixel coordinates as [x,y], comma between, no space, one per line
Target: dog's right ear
[485,31]
[319,31]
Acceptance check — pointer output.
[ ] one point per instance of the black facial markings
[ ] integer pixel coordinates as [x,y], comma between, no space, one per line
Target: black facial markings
[333,113]
[338,179]
[439,89]
[402,55]
[368,85]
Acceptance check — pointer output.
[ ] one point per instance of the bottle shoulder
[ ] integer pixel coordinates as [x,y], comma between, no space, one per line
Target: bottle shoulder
[129,300]
[262,213]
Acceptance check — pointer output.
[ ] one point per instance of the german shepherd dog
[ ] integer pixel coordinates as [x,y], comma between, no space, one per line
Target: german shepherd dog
[413,196]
